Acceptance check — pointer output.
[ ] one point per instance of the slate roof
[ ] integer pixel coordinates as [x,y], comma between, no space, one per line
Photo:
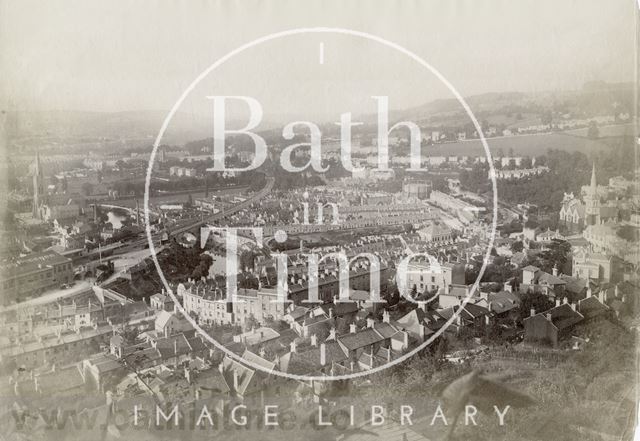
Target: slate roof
[257,360]
[574,284]
[298,312]
[564,316]
[549,279]
[591,307]
[386,330]
[503,301]
[360,339]
[308,361]
[32,262]
[468,312]
[531,268]
[340,308]
[173,346]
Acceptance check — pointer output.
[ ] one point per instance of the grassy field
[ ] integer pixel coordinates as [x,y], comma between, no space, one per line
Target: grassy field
[522,145]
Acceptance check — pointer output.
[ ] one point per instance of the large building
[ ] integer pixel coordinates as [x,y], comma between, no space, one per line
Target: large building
[60,213]
[211,306]
[578,215]
[596,266]
[427,277]
[572,212]
[50,208]
[32,275]
[435,232]
[416,189]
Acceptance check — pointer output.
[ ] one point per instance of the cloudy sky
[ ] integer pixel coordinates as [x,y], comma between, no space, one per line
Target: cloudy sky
[140,55]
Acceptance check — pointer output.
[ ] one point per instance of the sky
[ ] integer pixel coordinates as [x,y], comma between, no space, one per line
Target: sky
[96,55]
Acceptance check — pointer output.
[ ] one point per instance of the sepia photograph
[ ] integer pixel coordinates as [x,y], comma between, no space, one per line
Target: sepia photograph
[273,220]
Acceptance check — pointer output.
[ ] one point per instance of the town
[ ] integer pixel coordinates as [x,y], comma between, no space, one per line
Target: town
[315,144]
[379,281]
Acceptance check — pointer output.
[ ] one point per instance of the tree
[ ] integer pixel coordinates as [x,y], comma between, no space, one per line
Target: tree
[87,188]
[537,301]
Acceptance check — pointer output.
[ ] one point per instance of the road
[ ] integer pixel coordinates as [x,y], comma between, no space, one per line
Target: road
[52,296]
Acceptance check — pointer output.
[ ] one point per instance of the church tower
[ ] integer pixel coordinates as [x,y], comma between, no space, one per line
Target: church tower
[39,194]
[592,201]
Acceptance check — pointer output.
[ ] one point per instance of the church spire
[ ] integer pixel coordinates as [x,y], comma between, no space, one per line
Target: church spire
[38,187]
[592,201]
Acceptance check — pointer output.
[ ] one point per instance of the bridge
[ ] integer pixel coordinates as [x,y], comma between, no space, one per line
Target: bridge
[194,226]
[133,211]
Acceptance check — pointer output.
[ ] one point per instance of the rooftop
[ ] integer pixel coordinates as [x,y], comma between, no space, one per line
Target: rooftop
[32,262]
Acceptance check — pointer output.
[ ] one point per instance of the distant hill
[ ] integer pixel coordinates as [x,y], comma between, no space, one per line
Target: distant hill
[83,125]
[593,99]
[130,129]
[26,130]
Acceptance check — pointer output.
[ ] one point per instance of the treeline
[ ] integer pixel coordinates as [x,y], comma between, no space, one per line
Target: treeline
[568,173]
[253,179]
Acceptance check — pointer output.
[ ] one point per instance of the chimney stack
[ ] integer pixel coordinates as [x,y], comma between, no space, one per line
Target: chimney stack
[573,306]
[332,334]
[370,322]
[557,302]
[293,346]
[548,315]
[323,354]
[314,340]
[532,312]
[385,316]
[352,328]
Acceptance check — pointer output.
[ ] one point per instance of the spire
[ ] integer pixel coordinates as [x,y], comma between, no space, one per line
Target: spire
[36,169]
[38,187]
[594,185]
